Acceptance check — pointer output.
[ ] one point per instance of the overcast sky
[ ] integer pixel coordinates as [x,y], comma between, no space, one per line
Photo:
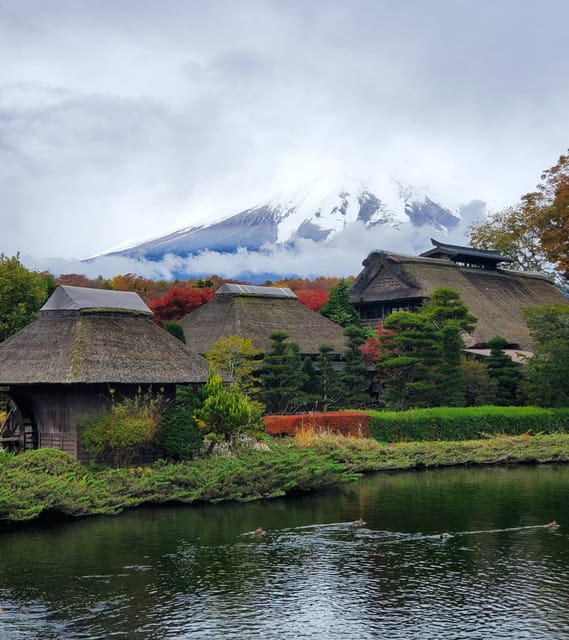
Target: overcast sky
[121,120]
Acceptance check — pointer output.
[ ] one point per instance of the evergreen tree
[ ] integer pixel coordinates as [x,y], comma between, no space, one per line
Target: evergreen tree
[548,370]
[175,328]
[451,376]
[354,377]
[281,376]
[506,374]
[409,361]
[479,388]
[224,411]
[445,305]
[338,307]
[310,387]
[330,388]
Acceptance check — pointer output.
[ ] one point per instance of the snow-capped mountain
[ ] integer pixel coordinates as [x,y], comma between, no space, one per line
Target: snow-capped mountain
[317,212]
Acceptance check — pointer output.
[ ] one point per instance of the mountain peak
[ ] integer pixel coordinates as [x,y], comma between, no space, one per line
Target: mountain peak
[317,212]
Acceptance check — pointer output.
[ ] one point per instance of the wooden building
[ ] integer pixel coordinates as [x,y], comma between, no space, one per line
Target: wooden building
[256,312]
[85,343]
[496,296]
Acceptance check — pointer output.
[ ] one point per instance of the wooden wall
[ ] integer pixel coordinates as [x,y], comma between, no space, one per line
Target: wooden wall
[58,409]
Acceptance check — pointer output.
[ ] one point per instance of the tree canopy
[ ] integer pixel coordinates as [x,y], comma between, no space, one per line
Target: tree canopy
[338,307]
[22,293]
[535,232]
[547,381]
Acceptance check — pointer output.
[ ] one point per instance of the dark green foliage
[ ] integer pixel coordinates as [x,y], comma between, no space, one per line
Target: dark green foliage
[281,376]
[338,307]
[451,386]
[178,433]
[30,484]
[506,374]
[466,423]
[22,293]
[420,354]
[311,386]
[49,461]
[548,371]
[354,378]
[444,305]
[175,328]
[409,360]
[479,388]
[330,388]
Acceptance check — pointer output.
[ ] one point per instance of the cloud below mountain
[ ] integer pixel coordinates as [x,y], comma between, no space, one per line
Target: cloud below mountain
[341,256]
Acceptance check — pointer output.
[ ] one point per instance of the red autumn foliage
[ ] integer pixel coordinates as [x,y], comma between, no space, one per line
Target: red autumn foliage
[373,345]
[312,298]
[348,423]
[178,302]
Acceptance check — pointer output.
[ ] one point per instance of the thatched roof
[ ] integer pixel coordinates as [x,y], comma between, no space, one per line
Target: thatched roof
[66,297]
[74,342]
[495,296]
[256,313]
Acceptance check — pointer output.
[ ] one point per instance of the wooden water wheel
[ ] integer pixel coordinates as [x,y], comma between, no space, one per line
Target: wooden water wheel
[16,433]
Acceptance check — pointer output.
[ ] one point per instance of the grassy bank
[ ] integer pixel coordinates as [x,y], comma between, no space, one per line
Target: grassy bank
[49,480]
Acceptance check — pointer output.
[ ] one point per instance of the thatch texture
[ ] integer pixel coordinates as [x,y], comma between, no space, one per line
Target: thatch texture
[256,315]
[86,346]
[496,297]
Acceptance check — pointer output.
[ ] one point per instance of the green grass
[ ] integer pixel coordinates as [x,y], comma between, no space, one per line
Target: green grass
[47,479]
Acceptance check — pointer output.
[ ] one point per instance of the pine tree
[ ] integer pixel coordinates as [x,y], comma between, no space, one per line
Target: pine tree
[445,305]
[506,374]
[224,412]
[409,361]
[548,370]
[451,376]
[338,307]
[354,377]
[282,377]
[330,388]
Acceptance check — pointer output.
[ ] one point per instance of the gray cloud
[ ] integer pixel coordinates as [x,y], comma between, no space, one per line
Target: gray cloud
[124,120]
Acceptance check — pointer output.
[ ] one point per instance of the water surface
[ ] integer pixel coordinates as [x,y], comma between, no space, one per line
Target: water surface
[461,553]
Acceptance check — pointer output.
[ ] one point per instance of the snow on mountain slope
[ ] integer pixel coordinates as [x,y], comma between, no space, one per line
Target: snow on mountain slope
[316,212]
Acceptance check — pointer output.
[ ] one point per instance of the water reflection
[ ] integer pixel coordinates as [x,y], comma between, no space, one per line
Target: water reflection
[446,554]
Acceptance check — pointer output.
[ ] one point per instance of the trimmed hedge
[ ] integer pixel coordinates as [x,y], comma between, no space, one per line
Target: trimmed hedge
[468,423]
[348,423]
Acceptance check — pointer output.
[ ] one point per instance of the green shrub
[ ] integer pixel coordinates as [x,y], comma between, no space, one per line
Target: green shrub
[130,424]
[178,433]
[224,412]
[45,461]
[450,423]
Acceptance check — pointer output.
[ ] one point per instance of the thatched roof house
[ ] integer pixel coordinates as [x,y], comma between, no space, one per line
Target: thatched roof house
[392,282]
[257,312]
[85,341]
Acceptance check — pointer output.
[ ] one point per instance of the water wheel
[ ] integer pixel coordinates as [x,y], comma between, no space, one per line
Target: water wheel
[16,433]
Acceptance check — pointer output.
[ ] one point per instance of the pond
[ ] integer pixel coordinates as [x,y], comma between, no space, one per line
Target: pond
[456,553]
